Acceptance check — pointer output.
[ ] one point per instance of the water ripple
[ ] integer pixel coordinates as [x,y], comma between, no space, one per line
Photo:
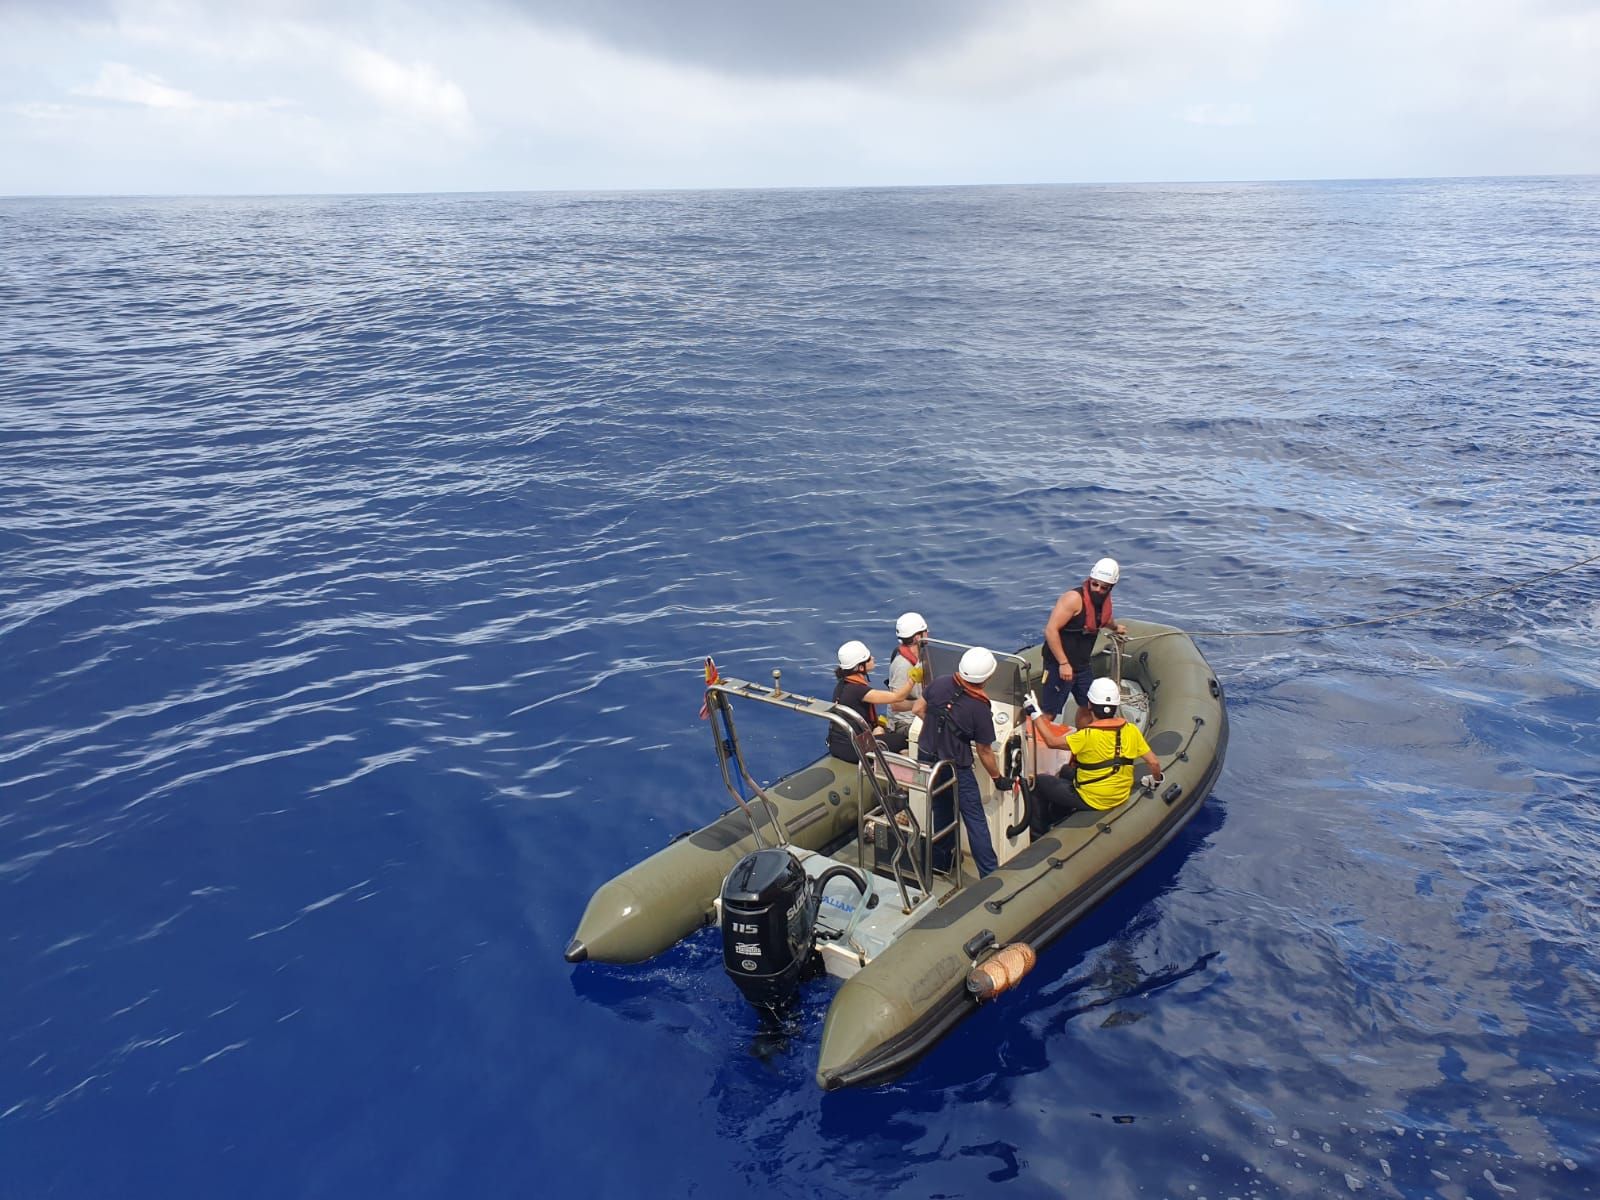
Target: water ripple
[361,554]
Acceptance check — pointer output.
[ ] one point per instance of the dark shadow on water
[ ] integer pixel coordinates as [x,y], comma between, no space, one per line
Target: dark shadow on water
[1147,984]
[687,976]
[778,1030]
[1004,1151]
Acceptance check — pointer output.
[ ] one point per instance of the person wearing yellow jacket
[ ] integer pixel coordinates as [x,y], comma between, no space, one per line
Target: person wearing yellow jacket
[1104,751]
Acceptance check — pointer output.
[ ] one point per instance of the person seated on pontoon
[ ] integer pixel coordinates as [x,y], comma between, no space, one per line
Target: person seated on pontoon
[1100,776]
[853,692]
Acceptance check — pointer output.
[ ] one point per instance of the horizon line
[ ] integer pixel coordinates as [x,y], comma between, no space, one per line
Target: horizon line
[826,187]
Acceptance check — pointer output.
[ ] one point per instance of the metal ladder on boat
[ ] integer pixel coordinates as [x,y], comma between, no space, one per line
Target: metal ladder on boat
[885,799]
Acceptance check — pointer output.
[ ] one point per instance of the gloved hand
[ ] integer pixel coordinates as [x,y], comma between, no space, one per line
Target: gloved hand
[1004,783]
[1030,705]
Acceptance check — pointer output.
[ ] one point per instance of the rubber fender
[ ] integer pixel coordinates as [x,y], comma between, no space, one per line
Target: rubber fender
[1001,971]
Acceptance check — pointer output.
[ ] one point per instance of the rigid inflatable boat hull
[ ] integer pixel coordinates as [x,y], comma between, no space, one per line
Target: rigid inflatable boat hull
[655,904]
[901,1003]
[895,1007]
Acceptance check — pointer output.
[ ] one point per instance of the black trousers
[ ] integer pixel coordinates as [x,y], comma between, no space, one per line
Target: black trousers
[1053,798]
[895,741]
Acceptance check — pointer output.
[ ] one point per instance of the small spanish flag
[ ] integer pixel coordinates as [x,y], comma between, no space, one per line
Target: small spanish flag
[712,676]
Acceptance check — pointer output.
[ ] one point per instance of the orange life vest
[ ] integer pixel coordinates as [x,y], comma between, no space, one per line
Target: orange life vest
[1089,619]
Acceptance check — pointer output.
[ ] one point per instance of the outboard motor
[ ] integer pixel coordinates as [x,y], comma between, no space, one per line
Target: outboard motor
[769,915]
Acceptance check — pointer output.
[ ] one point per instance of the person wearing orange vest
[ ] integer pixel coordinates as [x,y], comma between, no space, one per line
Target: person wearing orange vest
[1104,751]
[907,664]
[1069,636]
[853,692]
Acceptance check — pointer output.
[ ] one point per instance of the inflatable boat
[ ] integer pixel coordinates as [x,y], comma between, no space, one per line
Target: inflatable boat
[834,868]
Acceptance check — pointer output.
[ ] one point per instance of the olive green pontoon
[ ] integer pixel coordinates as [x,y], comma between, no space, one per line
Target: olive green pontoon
[834,865]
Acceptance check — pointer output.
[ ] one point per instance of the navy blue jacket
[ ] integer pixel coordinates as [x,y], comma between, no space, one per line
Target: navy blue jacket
[954,721]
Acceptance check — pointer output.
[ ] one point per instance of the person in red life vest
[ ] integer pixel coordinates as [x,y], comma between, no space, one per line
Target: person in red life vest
[906,664]
[1100,776]
[853,692]
[958,726]
[1069,634]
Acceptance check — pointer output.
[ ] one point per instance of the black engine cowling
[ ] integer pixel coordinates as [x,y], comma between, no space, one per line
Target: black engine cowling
[769,916]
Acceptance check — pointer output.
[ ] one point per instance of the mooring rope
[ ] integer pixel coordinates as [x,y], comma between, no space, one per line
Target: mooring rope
[1390,619]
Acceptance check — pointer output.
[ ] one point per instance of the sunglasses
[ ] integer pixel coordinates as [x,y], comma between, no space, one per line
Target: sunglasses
[1096,586]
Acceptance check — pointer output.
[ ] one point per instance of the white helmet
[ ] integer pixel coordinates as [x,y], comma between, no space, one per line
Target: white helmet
[1104,693]
[977,665]
[1106,571]
[853,655]
[909,625]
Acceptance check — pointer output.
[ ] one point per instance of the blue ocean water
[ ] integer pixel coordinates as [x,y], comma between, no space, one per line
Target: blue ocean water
[359,558]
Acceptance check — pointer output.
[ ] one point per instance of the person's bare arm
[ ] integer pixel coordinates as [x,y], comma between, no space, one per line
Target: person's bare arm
[1056,741]
[1068,606]
[882,696]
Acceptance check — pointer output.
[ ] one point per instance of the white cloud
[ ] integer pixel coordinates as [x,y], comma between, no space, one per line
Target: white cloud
[37,110]
[1219,114]
[415,89]
[120,83]
[406,96]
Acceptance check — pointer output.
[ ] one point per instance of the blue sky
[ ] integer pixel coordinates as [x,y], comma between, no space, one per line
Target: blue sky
[274,96]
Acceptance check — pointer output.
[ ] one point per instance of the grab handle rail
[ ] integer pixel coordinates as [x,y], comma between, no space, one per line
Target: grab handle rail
[877,779]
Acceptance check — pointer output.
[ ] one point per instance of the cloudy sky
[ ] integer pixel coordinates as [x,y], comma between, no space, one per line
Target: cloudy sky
[273,96]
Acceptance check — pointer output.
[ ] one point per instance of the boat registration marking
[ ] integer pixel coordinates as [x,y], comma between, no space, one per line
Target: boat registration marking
[934,978]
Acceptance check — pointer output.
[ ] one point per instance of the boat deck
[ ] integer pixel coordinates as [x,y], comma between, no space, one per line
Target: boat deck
[848,942]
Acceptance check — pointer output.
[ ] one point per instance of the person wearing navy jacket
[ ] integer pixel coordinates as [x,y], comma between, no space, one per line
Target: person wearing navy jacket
[958,726]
